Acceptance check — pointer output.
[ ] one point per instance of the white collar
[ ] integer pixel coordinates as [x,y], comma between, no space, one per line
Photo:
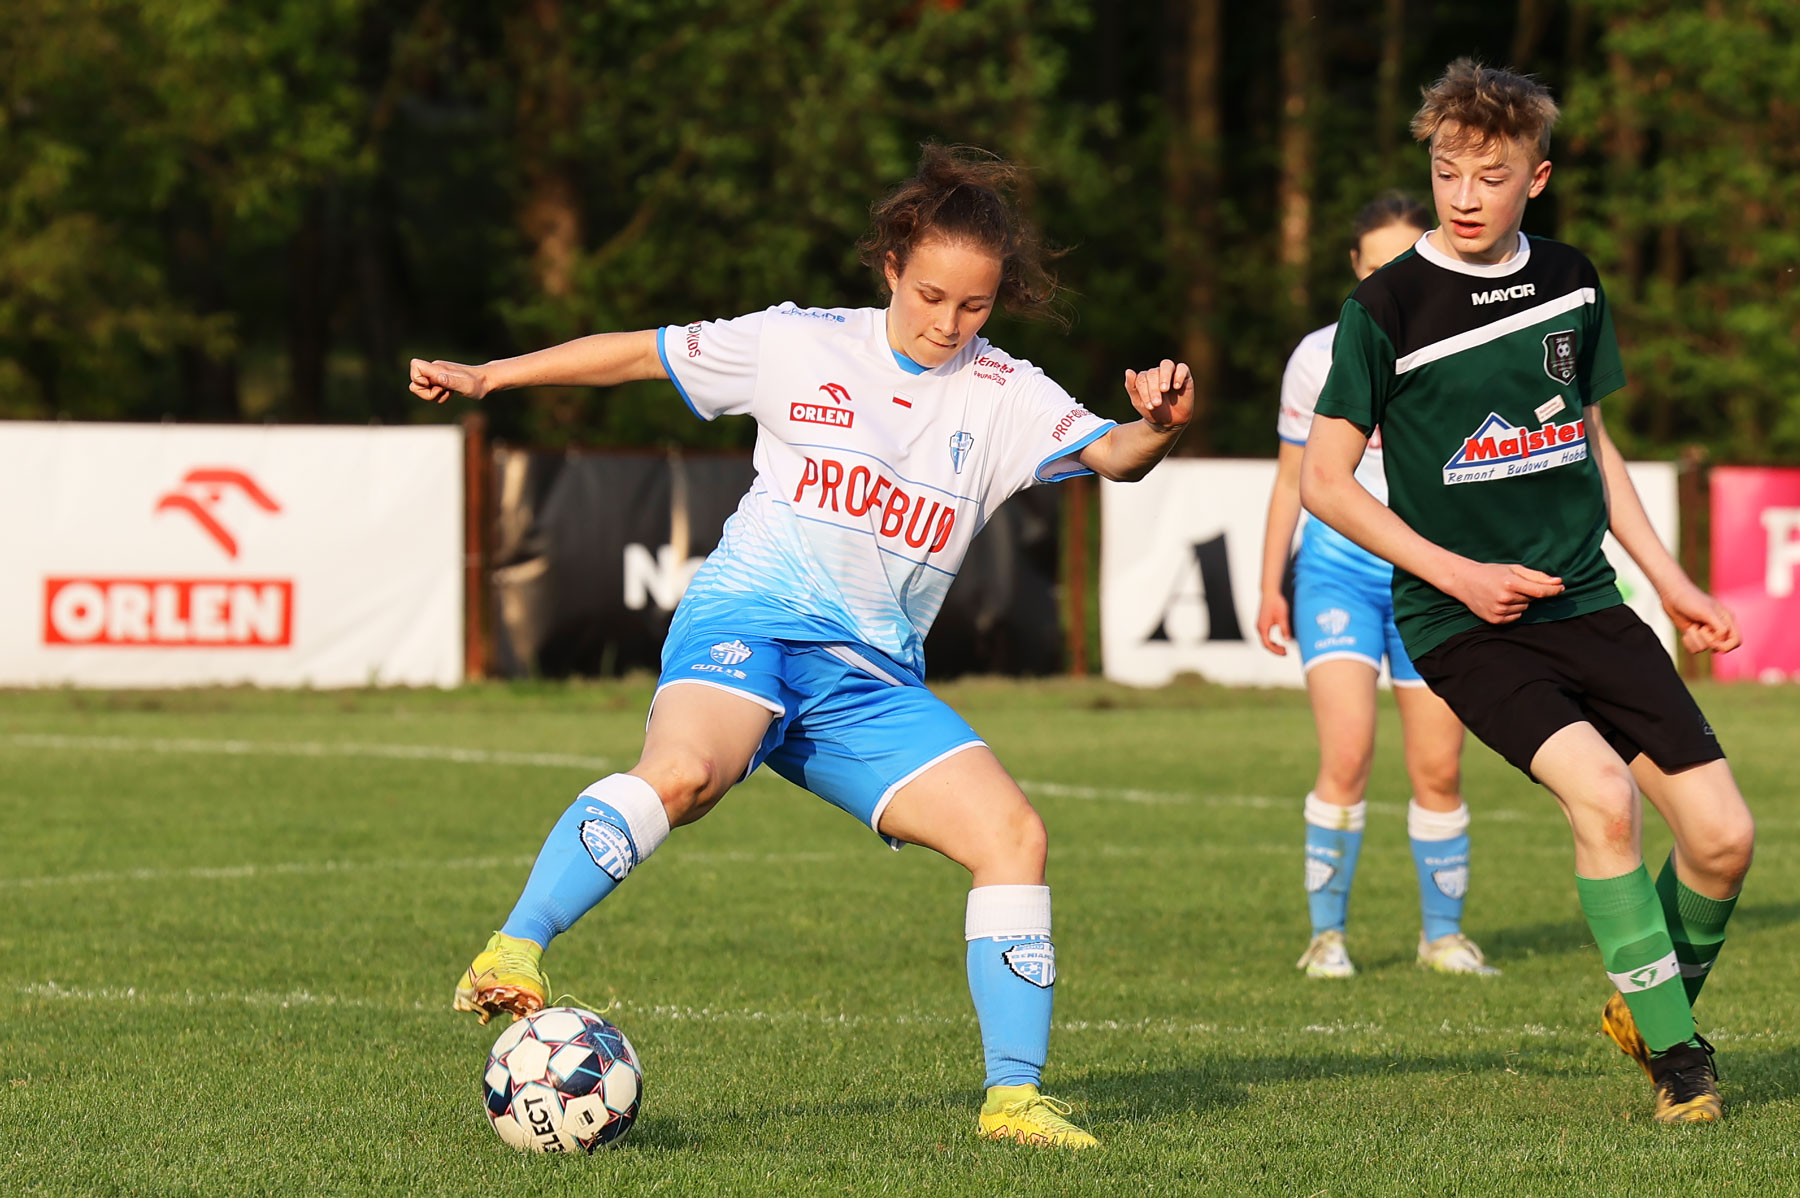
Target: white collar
[1493,270]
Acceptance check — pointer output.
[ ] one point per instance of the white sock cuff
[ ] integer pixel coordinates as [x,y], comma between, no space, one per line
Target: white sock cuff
[999,911]
[1435,825]
[637,801]
[1321,814]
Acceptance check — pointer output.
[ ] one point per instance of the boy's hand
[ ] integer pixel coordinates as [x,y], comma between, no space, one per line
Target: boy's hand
[436,381]
[1271,618]
[1704,622]
[1500,594]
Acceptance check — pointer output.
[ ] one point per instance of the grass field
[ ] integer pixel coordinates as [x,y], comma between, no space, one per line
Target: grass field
[234,920]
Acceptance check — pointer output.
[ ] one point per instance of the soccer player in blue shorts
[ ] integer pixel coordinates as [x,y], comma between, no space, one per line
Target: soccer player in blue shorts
[1343,624]
[886,437]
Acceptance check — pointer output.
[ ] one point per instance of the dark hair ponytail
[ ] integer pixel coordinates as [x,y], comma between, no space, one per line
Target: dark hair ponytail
[962,194]
[1389,208]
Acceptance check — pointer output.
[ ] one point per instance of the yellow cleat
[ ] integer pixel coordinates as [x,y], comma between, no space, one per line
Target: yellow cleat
[1022,1115]
[1454,953]
[504,977]
[1616,1021]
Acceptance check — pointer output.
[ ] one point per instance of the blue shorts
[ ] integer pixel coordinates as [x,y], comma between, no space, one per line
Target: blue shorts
[1341,616]
[849,725]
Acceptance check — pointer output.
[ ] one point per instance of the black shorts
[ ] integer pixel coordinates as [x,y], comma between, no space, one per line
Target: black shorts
[1515,685]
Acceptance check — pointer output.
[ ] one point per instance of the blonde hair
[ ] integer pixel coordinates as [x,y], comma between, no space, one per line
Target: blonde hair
[1489,104]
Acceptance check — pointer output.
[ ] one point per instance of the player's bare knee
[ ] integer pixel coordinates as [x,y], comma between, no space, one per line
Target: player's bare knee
[1017,845]
[1342,779]
[1604,810]
[1437,785]
[1725,853]
[685,782]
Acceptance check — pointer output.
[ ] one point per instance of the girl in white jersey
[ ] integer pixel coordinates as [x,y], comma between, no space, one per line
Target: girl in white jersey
[885,439]
[1343,625]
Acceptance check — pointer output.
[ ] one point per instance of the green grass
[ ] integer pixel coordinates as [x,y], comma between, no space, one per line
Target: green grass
[230,971]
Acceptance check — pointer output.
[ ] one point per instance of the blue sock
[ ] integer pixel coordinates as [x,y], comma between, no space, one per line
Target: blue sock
[1333,840]
[1440,848]
[607,831]
[1012,977]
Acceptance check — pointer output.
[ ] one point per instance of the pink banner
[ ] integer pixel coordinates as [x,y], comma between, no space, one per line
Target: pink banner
[1756,568]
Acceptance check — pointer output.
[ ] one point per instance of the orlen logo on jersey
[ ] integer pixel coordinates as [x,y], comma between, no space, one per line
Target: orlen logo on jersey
[921,523]
[814,413]
[1499,449]
[165,612]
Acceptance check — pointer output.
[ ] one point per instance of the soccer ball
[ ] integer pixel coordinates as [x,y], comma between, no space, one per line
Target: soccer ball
[562,1080]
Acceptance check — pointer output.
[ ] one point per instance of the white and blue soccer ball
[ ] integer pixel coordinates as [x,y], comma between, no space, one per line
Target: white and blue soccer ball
[562,1080]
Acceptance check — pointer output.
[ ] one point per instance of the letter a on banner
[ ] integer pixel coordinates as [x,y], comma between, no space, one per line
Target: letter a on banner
[1213,568]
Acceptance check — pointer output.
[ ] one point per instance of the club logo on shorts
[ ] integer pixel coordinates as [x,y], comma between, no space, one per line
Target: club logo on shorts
[731,653]
[1318,874]
[609,846]
[960,445]
[1454,882]
[1332,621]
[1559,355]
[1500,449]
[1034,960]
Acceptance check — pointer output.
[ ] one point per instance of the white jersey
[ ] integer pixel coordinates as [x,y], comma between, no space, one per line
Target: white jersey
[871,480]
[1301,383]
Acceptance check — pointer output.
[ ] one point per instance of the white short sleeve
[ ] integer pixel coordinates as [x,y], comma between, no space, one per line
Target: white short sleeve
[1048,428]
[1301,383]
[714,363]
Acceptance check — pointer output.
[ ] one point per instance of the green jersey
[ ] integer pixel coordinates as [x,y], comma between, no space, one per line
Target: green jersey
[1477,377]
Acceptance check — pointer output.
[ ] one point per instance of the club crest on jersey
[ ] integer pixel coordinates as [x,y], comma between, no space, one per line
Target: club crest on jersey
[1034,960]
[960,445]
[1453,882]
[1559,355]
[1500,449]
[610,847]
[731,653]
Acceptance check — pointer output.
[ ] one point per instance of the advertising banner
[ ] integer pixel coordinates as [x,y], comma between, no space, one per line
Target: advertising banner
[593,550]
[182,555]
[1181,558]
[1756,568]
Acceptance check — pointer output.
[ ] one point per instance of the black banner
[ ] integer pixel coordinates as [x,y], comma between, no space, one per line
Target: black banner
[589,553]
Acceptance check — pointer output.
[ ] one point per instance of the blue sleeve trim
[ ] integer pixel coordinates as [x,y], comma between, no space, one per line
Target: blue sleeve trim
[1291,440]
[1070,452]
[670,371]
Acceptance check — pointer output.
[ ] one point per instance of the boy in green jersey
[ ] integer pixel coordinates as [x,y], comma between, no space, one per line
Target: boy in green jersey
[1482,356]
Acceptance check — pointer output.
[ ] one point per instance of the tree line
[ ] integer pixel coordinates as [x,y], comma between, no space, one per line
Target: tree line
[257,211]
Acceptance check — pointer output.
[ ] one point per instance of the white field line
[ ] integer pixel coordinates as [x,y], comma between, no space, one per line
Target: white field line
[502,757]
[267,748]
[677,1013]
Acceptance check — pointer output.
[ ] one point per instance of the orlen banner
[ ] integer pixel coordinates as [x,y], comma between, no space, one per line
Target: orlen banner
[1181,556]
[177,555]
[1756,568]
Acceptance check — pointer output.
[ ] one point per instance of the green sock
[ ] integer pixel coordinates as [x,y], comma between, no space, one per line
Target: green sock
[1696,926]
[1627,921]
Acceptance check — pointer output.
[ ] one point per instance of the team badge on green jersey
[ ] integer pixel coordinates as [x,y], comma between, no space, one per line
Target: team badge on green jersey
[1559,356]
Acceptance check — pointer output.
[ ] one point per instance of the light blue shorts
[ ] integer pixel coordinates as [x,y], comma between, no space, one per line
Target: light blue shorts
[1341,616]
[849,726]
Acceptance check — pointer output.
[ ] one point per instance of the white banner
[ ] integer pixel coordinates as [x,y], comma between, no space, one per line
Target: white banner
[181,555]
[1181,558]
